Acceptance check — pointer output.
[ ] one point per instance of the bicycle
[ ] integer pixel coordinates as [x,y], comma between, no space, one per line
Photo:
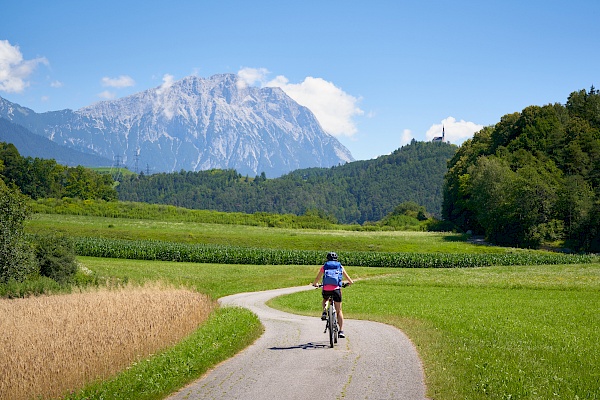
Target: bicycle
[331,324]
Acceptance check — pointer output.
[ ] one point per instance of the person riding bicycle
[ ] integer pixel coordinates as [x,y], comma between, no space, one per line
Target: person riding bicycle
[332,272]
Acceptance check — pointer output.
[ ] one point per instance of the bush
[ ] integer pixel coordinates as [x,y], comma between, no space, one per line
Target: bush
[56,258]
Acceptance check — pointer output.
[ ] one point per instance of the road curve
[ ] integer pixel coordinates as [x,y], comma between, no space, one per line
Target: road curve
[292,360]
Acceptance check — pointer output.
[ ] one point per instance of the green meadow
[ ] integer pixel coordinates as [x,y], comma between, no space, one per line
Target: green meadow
[256,236]
[496,332]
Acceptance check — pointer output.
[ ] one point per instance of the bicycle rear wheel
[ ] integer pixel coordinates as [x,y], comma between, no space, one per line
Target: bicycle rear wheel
[330,324]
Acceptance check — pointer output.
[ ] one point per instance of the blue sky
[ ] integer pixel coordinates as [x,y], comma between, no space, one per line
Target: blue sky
[376,74]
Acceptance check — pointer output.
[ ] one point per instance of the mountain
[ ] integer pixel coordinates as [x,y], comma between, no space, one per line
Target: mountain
[36,146]
[194,124]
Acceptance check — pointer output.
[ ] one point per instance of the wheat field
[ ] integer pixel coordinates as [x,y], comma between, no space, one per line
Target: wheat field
[51,345]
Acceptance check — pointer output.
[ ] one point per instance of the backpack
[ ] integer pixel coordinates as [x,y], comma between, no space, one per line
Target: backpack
[332,274]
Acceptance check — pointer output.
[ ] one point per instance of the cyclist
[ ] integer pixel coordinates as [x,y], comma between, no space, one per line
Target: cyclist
[332,272]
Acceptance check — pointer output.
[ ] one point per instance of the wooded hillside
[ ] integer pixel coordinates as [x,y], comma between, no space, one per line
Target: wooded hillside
[352,193]
[533,177]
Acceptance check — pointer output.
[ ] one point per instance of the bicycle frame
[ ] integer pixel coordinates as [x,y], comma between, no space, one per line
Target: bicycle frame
[331,324]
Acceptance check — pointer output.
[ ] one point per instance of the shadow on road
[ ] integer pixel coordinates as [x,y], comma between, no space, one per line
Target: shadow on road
[305,346]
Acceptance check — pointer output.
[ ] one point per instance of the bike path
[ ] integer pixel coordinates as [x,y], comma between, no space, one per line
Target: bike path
[293,360]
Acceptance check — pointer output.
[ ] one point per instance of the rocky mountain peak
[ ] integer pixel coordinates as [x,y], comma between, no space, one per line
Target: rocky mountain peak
[196,124]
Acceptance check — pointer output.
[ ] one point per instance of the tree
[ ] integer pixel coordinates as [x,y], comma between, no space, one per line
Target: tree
[534,176]
[575,202]
[16,256]
[493,200]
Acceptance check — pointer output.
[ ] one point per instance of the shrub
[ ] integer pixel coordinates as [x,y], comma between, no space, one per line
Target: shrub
[56,257]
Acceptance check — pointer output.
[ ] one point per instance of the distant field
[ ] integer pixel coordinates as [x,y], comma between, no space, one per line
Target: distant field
[113,171]
[258,237]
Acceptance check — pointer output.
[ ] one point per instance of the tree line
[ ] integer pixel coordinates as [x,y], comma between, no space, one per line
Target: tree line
[532,177]
[43,178]
[356,192]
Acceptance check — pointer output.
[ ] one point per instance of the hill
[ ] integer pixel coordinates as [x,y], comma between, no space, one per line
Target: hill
[356,192]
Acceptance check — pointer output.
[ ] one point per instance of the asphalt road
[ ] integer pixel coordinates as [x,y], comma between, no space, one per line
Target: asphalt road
[293,360]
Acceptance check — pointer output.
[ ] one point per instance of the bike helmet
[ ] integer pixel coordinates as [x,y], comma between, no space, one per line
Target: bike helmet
[332,256]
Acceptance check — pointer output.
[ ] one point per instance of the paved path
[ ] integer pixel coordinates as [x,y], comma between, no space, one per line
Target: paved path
[292,360]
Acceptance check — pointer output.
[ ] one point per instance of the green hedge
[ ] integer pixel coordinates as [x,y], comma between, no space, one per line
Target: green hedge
[169,251]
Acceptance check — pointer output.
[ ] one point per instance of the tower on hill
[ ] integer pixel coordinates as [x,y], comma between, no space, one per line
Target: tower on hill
[440,138]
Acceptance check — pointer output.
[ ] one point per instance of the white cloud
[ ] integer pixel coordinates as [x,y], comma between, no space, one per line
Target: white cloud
[168,81]
[167,107]
[56,84]
[407,136]
[252,76]
[333,108]
[14,70]
[456,131]
[120,82]
[107,95]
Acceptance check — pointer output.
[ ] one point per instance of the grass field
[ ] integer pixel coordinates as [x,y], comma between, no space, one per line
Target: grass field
[252,236]
[518,332]
[497,332]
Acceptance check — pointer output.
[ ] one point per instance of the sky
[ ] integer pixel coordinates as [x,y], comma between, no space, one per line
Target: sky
[375,74]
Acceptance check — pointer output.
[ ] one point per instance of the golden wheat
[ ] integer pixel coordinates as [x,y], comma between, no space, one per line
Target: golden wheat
[53,344]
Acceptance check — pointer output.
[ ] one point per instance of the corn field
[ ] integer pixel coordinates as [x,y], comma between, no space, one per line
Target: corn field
[199,253]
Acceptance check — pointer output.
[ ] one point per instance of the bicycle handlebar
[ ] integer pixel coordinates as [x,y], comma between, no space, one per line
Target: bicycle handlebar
[344,284]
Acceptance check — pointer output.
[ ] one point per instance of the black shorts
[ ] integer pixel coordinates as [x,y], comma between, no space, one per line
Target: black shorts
[337,294]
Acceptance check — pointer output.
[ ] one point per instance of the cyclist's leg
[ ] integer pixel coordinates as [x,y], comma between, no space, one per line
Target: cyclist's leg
[340,315]
[323,303]
[337,297]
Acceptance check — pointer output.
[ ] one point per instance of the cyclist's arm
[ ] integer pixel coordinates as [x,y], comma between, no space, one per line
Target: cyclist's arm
[350,281]
[318,278]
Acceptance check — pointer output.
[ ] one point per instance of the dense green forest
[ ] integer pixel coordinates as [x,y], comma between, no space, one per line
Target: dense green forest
[41,178]
[352,193]
[533,177]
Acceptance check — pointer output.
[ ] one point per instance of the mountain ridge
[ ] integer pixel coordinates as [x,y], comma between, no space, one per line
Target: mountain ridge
[194,124]
[31,145]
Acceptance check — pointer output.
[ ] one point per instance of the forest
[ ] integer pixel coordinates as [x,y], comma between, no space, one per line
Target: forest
[356,192]
[534,177]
